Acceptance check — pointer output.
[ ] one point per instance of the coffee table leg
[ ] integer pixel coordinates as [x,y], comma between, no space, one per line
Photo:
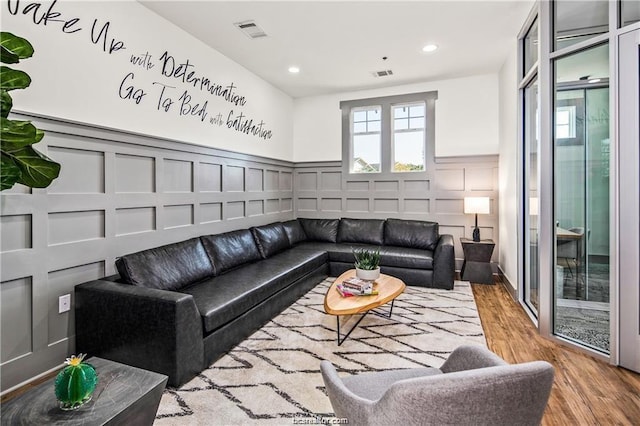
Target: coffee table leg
[341,341]
[383,315]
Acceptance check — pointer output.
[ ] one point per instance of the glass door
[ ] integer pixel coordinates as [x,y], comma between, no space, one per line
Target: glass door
[629,135]
[581,197]
[531,149]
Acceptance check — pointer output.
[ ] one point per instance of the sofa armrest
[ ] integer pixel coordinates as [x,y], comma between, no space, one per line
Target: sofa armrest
[444,263]
[153,329]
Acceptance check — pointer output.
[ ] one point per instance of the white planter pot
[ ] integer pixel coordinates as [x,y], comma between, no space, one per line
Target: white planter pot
[369,275]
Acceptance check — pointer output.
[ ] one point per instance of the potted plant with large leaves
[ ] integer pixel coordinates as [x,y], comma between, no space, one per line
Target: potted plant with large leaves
[19,161]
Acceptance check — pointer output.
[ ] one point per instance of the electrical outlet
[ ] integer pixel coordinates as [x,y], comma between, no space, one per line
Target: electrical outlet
[64,303]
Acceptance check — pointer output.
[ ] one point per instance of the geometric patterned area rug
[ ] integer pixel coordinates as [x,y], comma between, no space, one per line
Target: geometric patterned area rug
[273,377]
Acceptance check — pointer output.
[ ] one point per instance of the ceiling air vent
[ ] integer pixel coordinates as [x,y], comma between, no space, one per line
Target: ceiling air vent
[251,29]
[383,73]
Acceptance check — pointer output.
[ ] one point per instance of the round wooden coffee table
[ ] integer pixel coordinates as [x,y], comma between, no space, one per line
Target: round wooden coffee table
[388,288]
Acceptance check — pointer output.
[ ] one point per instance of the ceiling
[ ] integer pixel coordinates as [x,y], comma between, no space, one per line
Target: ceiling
[338,44]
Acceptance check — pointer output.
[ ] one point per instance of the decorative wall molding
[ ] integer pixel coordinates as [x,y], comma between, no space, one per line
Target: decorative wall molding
[117,193]
[321,189]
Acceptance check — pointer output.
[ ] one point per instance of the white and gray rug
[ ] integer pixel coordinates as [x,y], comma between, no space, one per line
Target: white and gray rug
[274,375]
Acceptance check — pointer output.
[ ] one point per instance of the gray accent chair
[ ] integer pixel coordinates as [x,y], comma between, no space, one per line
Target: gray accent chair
[473,387]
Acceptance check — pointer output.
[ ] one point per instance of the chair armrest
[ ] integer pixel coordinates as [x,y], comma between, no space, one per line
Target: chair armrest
[469,357]
[444,263]
[153,329]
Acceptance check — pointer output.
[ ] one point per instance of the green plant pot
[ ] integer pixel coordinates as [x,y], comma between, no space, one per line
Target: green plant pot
[368,274]
[74,385]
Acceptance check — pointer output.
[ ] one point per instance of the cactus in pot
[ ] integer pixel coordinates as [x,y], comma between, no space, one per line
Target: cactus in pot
[75,384]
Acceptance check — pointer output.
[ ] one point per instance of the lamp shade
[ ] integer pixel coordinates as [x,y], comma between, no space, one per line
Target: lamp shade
[477,205]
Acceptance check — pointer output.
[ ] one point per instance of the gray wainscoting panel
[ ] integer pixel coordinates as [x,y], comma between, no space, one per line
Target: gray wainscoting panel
[15,300]
[323,190]
[15,232]
[135,173]
[178,176]
[117,193]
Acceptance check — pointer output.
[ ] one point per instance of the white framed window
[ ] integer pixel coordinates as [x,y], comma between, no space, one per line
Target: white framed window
[566,122]
[408,137]
[389,135]
[366,148]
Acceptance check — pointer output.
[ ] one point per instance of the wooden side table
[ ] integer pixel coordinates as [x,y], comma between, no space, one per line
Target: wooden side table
[124,396]
[477,261]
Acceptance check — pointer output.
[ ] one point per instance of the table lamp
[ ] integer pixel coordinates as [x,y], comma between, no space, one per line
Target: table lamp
[476,205]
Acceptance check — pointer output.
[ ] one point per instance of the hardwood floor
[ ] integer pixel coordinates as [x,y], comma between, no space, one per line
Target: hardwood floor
[586,391]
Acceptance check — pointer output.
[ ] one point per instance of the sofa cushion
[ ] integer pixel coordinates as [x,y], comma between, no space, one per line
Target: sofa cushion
[270,239]
[365,231]
[294,231]
[231,249]
[169,267]
[223,298]
[399,257]
[411,233]
[320,229]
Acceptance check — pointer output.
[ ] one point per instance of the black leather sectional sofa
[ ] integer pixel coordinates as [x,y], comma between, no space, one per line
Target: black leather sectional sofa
[175,309]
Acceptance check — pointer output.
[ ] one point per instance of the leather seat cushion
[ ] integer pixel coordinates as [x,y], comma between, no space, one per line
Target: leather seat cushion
[270,239]
[294,231]
[321,229]
[411,233]
[365,231]
[231,249]
[169,267]
[223,298]
[400,257]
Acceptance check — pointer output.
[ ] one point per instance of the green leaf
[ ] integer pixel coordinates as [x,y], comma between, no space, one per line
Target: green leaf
[6,103]
[16,134]
[38,171]
[9,172]
[16,45]
[7,56]
[11,79]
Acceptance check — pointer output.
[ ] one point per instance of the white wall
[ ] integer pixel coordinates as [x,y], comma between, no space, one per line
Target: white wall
[466,118]
[508,168]
[76,79]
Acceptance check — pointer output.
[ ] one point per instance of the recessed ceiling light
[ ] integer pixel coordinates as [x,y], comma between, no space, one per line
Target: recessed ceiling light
[594,80]
[294,70]
[430,48]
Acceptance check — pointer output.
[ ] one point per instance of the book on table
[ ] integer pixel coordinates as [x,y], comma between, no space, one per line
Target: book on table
[351,290]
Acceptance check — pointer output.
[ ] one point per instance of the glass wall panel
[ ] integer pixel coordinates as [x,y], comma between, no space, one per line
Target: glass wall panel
[581,194]
[531,141]
[531,47]
[630,12]
[575,21]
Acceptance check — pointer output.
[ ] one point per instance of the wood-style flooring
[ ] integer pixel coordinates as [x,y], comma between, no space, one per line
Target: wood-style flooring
[586,391]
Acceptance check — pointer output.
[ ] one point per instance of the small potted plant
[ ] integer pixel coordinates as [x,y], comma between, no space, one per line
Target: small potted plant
[367,263]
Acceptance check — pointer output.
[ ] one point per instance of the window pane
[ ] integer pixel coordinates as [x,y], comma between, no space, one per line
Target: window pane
[531,205]
[408,151]
[373,114]
[400,124]
[582,198]
[374,126]
[531,47]
[359,127]
[400,111]
[416,111]
[630,12]
[366,154]
[416,123]
[359,116]
[575,21]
